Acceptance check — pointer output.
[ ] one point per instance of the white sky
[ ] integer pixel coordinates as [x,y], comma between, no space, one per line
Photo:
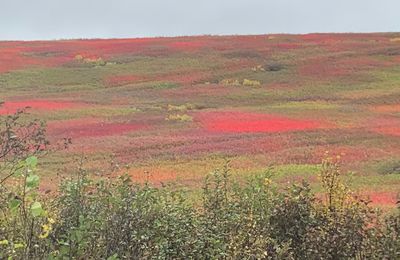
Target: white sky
[56,19]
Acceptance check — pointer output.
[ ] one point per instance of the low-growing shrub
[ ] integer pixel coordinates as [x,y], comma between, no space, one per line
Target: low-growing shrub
[237,83]
[179,117]
[273,67]
[92,61]
[181,108]
[251,83]
[101,219]
[230,82]
[397,39]
[389,167]
[165,85]
[258,68]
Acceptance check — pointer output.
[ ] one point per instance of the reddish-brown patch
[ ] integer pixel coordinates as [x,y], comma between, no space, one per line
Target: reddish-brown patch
[13,106]
[287,46]
[12,58]
[393,130]
[396,59]
[322,38]
[238,122]
[155,175]
[79,128]
[395,108]
[386,126]
[322,67]
[382,198]
[348,154]
[186,45]
[20,55]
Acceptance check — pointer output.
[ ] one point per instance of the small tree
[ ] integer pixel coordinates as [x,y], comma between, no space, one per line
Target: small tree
[19,139]
[23,221]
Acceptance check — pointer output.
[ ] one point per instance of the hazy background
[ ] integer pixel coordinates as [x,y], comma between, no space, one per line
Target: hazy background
[55,19]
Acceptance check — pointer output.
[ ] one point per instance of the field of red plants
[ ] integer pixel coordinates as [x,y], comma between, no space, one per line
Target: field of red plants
[236,122]
[176,108]
[11,107]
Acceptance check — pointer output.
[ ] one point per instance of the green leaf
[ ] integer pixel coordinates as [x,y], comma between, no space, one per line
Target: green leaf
[4,242]
[36,209]
[14,204]
[32,181]
[18,246]
[113,257]
[31,162]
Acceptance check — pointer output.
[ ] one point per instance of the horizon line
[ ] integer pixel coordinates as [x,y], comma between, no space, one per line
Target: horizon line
[192,35]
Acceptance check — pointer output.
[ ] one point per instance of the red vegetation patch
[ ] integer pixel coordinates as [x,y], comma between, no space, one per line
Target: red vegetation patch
[13,106]
[386,126]
[20,55]
[323,38]
[348,154]
[90,128]
[394,108]
[287,46]
[12,58]
[396,59]
[382,198]
[186,45]
[238,122]
[393,130]
[323,67]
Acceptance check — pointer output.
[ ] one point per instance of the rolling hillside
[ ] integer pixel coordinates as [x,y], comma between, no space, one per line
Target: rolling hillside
[166,109]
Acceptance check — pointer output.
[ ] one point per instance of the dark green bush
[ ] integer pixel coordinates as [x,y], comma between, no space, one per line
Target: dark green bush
[100,219]
[389,167]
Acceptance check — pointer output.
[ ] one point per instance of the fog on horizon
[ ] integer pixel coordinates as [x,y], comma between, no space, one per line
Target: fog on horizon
[62,19]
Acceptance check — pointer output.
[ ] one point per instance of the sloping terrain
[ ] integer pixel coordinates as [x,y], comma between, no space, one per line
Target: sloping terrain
[176,108]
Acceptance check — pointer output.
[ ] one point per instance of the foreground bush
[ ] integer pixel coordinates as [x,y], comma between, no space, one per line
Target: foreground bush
[124,220]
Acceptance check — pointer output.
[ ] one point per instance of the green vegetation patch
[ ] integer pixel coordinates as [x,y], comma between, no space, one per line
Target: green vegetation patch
[308,105]
[165,85]
[104,112]
[391,166]
[302,170]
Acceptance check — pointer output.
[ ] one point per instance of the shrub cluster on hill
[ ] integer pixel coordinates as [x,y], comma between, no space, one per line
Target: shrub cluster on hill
[101,219]
[244,82]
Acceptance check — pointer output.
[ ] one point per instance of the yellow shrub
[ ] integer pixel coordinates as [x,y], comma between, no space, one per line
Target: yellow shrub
[230,82]
[258,68]
[92,61]
[251,83]
[78,57]
[179,117]
[181,108]
[337,194]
